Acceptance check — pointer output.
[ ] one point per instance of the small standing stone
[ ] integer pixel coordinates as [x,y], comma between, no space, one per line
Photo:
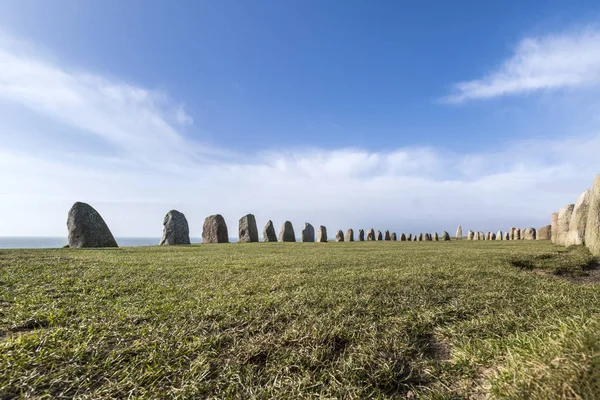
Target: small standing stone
[512,233]
[286,234]
[445,236]
[214,230]
[269,234]
[564,220]
[379,235]
[471,235]
[308,233]
[176,230]
[394,237]
[402,237]
[322,234]
[349,236]
[506,236]
[554,227]
[361,235]
[339,236]
[529,234]
[247,230]
[544,233]
[387,235]
[459,232]
[499,235]
[371,234]
[420,237]
[409,237]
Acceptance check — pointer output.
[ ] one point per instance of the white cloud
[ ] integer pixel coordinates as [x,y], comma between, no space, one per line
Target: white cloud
[566,60]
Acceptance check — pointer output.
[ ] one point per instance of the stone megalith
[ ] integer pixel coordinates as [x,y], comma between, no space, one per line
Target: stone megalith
[529,234]
[564,220]
[86,228]
[488,236]
[371,234]
[394,237]
[506,236]
[492,236]
[544,233]
[176,230]
[339,236]
[592,227]
[247,230]
[428,237]
[517,233]
[481,235]
[420,237]
[269,234]
[403,237]
[361,235]
[214,230]
[499,235]
[379,235]
[554,227]
[512,233]
[436,237]
[349,235]
[308,233]
[387,235]
[286,233]
[445,236]
[471,235]
[459,232]
[322,234]
[476,236]
[576,234]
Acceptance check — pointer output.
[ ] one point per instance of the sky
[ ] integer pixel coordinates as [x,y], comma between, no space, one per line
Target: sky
[401,115]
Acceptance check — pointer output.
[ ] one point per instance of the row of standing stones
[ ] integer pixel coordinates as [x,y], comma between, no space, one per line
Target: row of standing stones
[579,223]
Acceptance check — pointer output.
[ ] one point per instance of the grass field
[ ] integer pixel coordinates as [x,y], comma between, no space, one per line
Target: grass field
[438,320]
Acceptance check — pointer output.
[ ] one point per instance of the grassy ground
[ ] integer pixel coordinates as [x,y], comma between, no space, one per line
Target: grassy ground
[296,320]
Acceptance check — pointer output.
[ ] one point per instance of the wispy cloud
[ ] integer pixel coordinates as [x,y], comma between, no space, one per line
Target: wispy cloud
[566,60]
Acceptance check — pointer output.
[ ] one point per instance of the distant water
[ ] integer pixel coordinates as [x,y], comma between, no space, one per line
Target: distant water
[30,242]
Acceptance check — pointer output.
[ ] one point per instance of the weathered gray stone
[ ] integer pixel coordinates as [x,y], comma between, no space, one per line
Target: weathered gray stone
[592,228]
[409,237]
[488,236]
[512,233]
[576,234]
[517,233]
[459,232]
[379,235]
[564,220]
[214,230]
[361,235]
[420,237]
[403,237]
[506,236]
[471,235]
[176,230]
[436,237]
[554,228]
[529,234]
[308,233]
[544,233]
[322,234]
[415,238]
[370,234]
[394,237]
[476,236]
[387,235]
[339,236]
[445,236]
[349,235]
[286,233]
[86,228]
[269,234]
[247,230]
[499,235]
[492,236]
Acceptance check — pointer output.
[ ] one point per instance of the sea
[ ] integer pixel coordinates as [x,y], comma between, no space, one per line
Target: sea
[33,242]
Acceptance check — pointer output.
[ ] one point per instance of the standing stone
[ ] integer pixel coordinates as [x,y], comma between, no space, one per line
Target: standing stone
[420,237]
[402,237]
[308,233]
[518,234]
[554,228]
[564,220]
[476,236]
[481,236]
[529,234]
[436,237]
[544,233]
[459,232]
[488,236]
[445,236]
[387,235]
[394,237]
[248,232]
[415,238]
[379,235]
[349,235]
[576,234]
[176,230]
[471,235]
[371,234]
[499,235]
[214,230]
[409,237]
[361,235]
[339,236]
[322,234]
[269,234]
[86,228]
[506,236]
[286,233]
[512,233]
[592,228]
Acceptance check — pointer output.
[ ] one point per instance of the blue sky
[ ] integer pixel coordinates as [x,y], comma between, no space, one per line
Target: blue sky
[406,116]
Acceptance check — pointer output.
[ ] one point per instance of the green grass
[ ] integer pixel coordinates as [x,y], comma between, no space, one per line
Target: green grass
[440,320]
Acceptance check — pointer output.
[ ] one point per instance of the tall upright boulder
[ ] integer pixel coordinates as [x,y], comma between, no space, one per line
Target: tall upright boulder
[512,233]
[576,234]
[349,235]
[564,220]
[286,233]
[445,236]
[322,234]
[517,233]
[499,235]
[403,237]
[506,236]
[529,234]
[247,229]
[379,235]
[420,237]
[339,236]
[471,235]
[176,230]
[308,233]
[394,237]
[554,228]
[371,234]
[492,236]
[361,235]
[214,230]
[459,232]
[269,234]
[435,236]
[544,233]
[592,228]
[86,228]
[387,235]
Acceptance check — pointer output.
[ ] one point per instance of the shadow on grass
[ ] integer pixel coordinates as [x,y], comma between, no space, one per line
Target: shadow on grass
[574,261]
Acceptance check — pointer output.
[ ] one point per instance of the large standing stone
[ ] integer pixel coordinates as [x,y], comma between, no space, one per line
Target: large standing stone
[86,228]
[349,235]
[492,236]
[387,235]
[361,235]
[518,234]
[564,220]
[420,237]
[554,227]
[476,236]
[371,234]
[512,233]
[394,237]
[488,236]
[409,237]
[339,236]
[403,237]
[322,234]
[436,237]
[506,236]
[471,235]
[529,234]
[379,235]
[499,235]
[286,233]
[576,234]
[459,232]
[176,230]
[269,234]
[214,230]
[544,233]
[308,233]
[445,236]
[247,230]
[592,228]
